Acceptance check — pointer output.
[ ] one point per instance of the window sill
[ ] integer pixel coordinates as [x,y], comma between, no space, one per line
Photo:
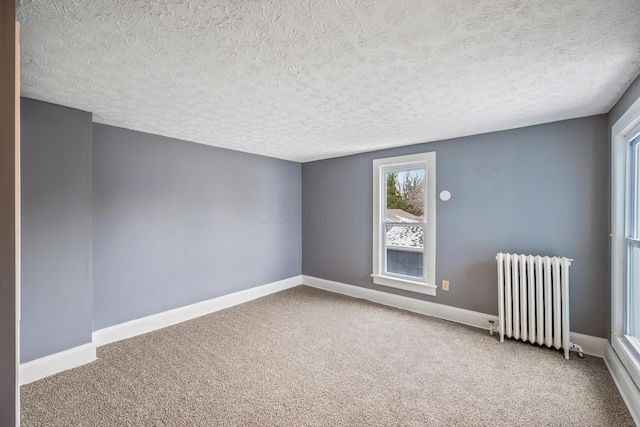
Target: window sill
[628,354]
[407,285]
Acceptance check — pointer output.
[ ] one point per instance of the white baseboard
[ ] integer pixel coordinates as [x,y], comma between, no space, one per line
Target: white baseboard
[454,314]
[624,382]
[593,346]
[57,362]
[77,356]
[182,314]
[68,359]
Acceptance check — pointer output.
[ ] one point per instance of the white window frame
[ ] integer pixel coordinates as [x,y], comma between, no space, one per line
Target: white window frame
[427,161]
[623,133]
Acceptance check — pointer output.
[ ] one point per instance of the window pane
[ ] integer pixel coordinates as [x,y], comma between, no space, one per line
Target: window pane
[633,289]
[632,292]
[405,195]
[635,186]
[405,250]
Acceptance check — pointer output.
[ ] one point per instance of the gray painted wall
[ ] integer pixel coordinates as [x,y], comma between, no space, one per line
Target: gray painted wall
[176,223]
[8,364]
[629,97]
[56,229]
[539,190]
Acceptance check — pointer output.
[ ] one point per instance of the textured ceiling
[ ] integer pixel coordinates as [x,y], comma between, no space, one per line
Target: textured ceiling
[311,79]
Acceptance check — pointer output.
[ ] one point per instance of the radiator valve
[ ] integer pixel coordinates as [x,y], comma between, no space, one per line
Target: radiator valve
[492,327]
[575,347]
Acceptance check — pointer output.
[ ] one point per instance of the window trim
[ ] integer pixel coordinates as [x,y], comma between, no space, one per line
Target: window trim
[380,277]
[623,132]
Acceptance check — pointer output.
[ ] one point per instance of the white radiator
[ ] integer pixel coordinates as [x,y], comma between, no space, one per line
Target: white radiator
[533,300]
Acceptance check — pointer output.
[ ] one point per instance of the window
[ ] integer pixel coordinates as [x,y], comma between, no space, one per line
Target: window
[632,279]
[625,247]
[404,222]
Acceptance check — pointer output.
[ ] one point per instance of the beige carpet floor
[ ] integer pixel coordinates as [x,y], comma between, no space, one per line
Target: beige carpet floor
[305,357]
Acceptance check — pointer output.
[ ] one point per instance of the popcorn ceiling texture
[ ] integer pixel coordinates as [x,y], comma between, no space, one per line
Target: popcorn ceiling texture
[311,79]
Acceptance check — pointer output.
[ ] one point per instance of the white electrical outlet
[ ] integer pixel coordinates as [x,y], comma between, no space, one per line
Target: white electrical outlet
[445,285]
